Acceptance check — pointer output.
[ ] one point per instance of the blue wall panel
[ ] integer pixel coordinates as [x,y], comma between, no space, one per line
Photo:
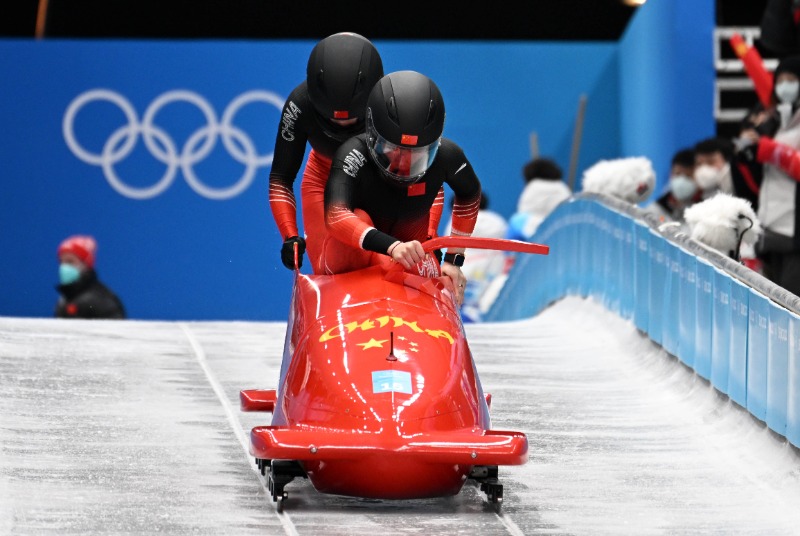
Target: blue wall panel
[185,230]
[668,102]
[687,316]
[704,316]
[658,276]
[672,300]
[777,368]
[757,350]
[793,377]
[627,275]
[740,315]
[643,265]
[721,331]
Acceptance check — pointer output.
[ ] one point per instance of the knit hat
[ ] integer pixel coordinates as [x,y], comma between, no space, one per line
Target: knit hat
[82,246]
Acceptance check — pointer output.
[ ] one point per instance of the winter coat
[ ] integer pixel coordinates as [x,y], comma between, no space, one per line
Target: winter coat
[777,197]
[539,198]
[88,298]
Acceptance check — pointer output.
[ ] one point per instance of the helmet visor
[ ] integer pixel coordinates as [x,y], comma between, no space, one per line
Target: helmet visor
[403,164]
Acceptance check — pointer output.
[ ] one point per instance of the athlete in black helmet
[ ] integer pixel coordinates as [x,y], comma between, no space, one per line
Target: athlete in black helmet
[384,183]
[323,111]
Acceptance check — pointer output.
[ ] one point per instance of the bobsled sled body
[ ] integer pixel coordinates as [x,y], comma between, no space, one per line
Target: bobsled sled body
[378,395]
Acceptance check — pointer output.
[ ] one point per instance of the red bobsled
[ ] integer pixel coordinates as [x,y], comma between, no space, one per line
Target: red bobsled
[378,395]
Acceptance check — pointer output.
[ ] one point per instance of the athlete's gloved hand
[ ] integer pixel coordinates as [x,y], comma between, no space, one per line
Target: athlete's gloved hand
[287,252]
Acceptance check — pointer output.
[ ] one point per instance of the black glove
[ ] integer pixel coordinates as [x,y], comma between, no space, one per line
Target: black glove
[769,126]
[748,153]
[287,252]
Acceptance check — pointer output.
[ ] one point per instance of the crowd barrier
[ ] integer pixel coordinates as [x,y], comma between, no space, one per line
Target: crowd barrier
[732,326]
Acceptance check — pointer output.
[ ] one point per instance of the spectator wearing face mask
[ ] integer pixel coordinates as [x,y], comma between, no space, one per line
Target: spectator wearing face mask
[718,170]
[779,247]
[82,295]
[682,192]
[712,171]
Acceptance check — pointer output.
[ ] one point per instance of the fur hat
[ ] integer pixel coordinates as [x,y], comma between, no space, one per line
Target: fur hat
[630,179]
[723,222]
[82,246]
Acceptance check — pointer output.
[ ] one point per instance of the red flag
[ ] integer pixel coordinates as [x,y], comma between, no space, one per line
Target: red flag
[754,66]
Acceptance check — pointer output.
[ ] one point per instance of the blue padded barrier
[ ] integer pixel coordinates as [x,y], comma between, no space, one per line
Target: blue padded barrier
[777,368]
[737,370]
[757,348]
[721,331]
[620,265]
[657,285]
[704,315]
[687,315]
[793,382]
[627,273]
[641,307]
[729,323]
[670,325]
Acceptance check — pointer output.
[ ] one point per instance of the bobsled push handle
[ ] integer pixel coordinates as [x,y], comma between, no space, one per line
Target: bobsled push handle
[476,242]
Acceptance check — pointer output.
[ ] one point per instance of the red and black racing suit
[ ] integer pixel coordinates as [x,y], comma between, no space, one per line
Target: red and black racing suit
[396,212]
[301,124]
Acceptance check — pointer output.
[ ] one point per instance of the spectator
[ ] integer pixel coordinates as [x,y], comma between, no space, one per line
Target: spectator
[682,191]
[484,264]
[717,170]
[544,190]
[725,223]
[82,295]
[780,27]
[323,111]
[383,184]
[779,247]
[630,179]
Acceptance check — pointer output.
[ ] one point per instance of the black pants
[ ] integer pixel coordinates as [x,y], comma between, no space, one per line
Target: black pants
[781,258]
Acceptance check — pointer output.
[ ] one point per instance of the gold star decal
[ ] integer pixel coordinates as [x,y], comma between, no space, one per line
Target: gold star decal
[372,344]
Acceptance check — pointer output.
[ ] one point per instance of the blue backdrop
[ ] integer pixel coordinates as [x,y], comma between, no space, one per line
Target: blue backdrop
[161,150]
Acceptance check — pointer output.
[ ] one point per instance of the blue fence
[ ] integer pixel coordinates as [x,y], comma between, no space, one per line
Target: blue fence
[732,326]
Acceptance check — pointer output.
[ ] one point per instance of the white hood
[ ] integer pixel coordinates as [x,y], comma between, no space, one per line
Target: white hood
[630,179]
[719,221]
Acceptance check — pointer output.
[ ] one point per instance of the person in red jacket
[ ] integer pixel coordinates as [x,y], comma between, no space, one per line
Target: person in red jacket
[82,295]
[770,138]
[384,183]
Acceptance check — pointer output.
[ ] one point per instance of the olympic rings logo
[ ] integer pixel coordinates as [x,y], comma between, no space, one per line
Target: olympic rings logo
[161,146]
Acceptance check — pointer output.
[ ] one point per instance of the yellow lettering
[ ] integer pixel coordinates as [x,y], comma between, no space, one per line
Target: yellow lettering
[436,333]
[383,321]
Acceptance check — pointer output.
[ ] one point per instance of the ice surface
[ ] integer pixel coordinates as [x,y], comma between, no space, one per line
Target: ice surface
[129,427]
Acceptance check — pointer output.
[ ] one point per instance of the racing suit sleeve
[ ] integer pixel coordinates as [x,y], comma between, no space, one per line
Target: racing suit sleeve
[340,219]
[467,190]
[290,147]
[436,214]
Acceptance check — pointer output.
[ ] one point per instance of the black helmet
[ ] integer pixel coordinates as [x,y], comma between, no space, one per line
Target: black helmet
[342,69]
[405,120]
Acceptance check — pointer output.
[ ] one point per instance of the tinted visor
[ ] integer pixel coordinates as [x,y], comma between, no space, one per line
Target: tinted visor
[403,164]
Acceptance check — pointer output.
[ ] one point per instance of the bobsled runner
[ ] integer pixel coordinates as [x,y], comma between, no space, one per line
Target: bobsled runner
[378,394]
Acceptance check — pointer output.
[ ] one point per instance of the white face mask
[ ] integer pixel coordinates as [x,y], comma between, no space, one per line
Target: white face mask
[706,176]
[682,187]
[787,91]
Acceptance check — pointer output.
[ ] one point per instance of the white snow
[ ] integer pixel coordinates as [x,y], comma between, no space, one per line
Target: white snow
[110,427]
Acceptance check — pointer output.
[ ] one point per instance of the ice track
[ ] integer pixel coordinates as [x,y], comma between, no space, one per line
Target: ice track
[131,427]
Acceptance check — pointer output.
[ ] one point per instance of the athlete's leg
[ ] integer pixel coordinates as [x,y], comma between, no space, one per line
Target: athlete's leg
[338,257]
[312,190]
